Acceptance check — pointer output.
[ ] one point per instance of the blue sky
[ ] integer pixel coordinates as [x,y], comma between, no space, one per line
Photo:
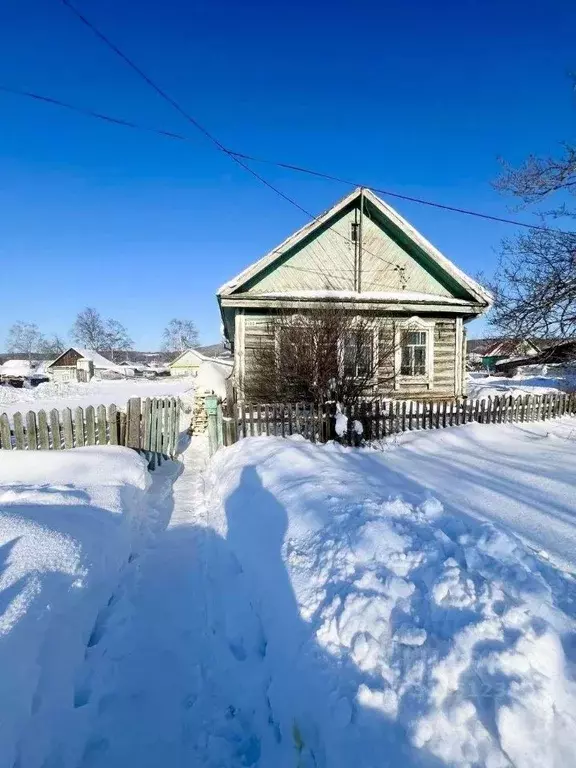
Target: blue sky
[417,97]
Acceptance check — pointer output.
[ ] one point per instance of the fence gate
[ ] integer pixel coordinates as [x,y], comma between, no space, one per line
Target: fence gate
[149,426]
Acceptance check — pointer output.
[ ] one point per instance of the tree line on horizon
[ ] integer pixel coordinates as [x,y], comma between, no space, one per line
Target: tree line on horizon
[91,331]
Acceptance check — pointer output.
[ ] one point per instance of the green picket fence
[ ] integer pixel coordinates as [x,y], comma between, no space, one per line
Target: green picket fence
[150,426]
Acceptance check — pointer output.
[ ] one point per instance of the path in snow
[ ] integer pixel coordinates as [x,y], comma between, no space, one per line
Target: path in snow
[174,686]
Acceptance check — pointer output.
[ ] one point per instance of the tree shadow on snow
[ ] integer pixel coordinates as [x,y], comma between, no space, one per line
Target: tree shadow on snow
[310,695]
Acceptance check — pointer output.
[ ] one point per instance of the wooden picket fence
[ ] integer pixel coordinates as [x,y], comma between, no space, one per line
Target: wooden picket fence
[149,426]
[380,419]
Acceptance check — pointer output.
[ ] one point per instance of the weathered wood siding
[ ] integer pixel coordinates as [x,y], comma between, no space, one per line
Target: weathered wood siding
[387,266]
[70,358]
[327,263]
[255,330]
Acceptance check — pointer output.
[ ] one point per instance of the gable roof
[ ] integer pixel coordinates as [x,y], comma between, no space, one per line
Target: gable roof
[214,353]
[89,354]
[509,347]
[391,217]
[181,355]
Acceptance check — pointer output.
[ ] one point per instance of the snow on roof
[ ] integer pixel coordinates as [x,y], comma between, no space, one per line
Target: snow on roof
[213,353]
[511,347]
[363,296]
[99,360]
[182,355]
[16,368]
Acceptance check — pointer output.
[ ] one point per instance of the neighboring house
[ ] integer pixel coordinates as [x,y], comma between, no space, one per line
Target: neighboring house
[66,367]
[508,349]
[364,258]
[216,351]
[188,363]
[555,353]
[17,372]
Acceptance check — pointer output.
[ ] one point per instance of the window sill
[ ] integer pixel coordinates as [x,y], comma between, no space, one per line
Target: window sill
[403,379]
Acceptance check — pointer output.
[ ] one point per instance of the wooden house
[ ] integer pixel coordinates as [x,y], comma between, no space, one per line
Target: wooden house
[66,366]
[366,259]
[189,362]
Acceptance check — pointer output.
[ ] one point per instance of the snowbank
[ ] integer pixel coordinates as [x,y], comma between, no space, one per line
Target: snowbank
[527,382]
[68,523]
[70,394]
[389,624]
[212,377]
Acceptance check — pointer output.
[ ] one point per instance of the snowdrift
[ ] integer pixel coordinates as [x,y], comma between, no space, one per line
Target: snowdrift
[384,630]
[68,523]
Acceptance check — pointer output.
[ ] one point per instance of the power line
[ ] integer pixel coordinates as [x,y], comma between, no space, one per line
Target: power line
[279,164]
[91,113]
[162,93]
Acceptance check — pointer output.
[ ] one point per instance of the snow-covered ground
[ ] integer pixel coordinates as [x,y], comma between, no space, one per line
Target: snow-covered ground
[70,522]
[69,394]
[323,606]
[539,381]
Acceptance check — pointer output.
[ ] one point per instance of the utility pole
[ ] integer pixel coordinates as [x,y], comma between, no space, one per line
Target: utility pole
[359,267]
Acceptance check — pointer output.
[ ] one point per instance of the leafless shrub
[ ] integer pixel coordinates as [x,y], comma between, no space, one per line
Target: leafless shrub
[321,355]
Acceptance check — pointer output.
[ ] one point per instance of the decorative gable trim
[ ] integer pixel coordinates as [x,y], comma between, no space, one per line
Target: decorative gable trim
[444,265]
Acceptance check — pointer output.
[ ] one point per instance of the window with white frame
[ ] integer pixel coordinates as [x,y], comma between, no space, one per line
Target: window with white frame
[414,353]
[358,353]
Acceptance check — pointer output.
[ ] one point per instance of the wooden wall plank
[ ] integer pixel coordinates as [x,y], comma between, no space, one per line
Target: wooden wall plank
[133,437]
[19,436]
[67,429]
[101,425]
[166,427]
[79,427]
[31,431]
[173,438]
[5,433]
[121,428]
[159,424]
[43,435]
[146,423]
[90,421]
[153,425]
[113,424]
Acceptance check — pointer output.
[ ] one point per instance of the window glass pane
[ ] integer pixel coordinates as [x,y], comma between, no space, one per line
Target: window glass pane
[358,353]
[419,361]
[416,337]
[405,368]
[365,353]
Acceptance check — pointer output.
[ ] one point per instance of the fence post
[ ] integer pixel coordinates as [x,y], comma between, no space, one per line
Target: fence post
[214,429]
[133,423]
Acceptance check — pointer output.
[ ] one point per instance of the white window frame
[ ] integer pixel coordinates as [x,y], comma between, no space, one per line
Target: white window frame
[374,361]
[423,326]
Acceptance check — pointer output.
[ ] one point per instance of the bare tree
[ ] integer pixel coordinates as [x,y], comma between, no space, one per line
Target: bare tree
[117,338]
[179,335]
[89,329]
[320,355]
[535,283]
[24,338]
[52,345]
